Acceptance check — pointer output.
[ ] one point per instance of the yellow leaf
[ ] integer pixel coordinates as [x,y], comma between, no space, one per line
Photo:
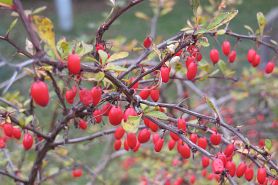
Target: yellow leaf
[261,21]
[45,30]
[132,124]
[117,56]
[141,15]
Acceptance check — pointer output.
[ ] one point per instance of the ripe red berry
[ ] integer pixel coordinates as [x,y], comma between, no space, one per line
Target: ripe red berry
[256,61]
[126,147]
[27,141]
[165,74]
[119,133]
[189,60]
[115,115]
[269,67]
[2,143]
[155,138]
[215,139]
[129,112]
[70,95]
[193,137]
[185,151]
[202,142]
[74,65]
[136,85]
[97,115]
[226,47]
[251,55]
[96,94]
[144,136]
[100,47]
[117,144]
[106,109]
[39,93]
[77,172]
[241,169]
[217,166]
[181,124]
[205,161]
[82,124]
[198,56]
[154,127]
[229,150]
[232,56]
[214,56]
[147,42]
[16,133]
[131,140]
[136,147]
[158,144]
[192,179]
[249,173]
[144,94]
[179,53]
[155,94]
[261,175]
[174,136]
[231,167]
[85,96]
[171,144]
[192,71]
[8,129]
[222,156]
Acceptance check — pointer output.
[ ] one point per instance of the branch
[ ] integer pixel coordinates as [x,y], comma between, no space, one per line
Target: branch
[14,177]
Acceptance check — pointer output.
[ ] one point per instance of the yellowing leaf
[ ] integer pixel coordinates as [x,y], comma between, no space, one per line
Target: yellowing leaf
[117,56]
[93,76]
[157,114]
[103,56]
[83,49]
[12,25]
[6,3]
[141,15]
[62,151]
[211,105]
[261,22]
[132,124]
[115,68]
[195,5]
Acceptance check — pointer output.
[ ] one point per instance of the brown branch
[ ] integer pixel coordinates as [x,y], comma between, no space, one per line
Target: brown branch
[14,177]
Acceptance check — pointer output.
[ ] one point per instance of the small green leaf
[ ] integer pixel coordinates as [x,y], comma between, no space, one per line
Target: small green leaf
[268,144]
[221,32]
[261,21]
[221,19]
[6,2]
[39,10]
[132,124]
[117,56]
[203,41]
[249,28]
[195,5]
[115,68]
[222,66]
[12,25]
[157,114]
[63,48]
[103,56]
[94,76]
[211,105]
[83,49]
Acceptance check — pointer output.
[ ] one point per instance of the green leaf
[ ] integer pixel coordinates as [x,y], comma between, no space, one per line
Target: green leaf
[142,15]
[221,32]
[39,10]
[117,56]
[221,19]
[94,76]
[115,68]
[203,41]
[249,28]
[6,2]
[222,66]
[268,144]
[157,114]
[132,124]
[211,105]
[83,49]
[12,25]
[261,21]
[103,56]
[63,48]
[195,5]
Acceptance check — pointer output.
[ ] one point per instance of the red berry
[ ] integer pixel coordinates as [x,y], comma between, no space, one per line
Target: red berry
[106,109]
[144,136]
[119,133]
[147,42]
[8,129]
[181,124]
[77,172]
[231,167]
[27,141]
[193,137]
[226,47]
[165,74]
[192,179]
[136,147]
[155,94]
[126,147]
[131,140]
[185,151]
[192,71]
[205,161]
[74,65]
[100,47]
[96,94]
[198,56]
[154,127]
[16,133]
[249,173]
[155,138]
[214,56]
[82,124]
[217,166]
[232,56]
[39,93]
[215,139]
[202,142]
[144,94]
[241,169]
[261,175]
[97,114]
[222,156]
[158,144]
[269,67]
[136,85]
[256,61]
[174,136]
[85,97]
[70,95]
[251,55]
[171,144]
[117,144]
[2,143]
[115,115]
[189,60]
[179,53]
[229,150]
[129,112]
